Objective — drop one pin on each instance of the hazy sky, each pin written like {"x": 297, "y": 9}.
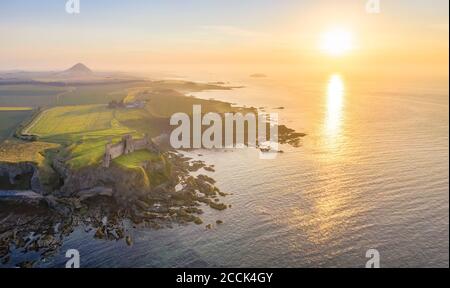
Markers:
{"x": 134, "y": 34}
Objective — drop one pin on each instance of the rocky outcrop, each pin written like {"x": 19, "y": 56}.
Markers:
{"x": 94, "y": 192}
{"x": 156, "y": 195}
{"x": 60, "y": 167}
{"x": 124, "y": 185}
{"x": 13, "y": 170}
{"x": 21, "y": 197}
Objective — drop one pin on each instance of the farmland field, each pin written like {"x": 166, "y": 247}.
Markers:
{"x": 95, "y": 94}
{"x": 9, "y": 109}
{"x": 29, "y": 95}
{"x": 17, "y": 101}
{"x": 78, "y": 117}
{"x": 83, "y": 130}
{"x": 71, "y": 119}
{"x": 10, "y": 119}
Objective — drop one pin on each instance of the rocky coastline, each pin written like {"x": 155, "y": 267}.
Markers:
{"x": 108, "y": 201}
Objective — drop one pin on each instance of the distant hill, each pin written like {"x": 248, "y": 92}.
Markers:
{"x": 78, "y": 69}
{"x": 78, "y": 73}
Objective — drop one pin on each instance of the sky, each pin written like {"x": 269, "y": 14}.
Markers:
{"x": 136, "y": 34}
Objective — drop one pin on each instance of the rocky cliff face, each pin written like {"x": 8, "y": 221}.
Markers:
{"x": 126, "y": 185}
{"x": 157, "y": 195}
{"x": 14, "y": 171}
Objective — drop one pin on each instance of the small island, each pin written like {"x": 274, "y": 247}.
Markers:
{"x": 258, "y": 75}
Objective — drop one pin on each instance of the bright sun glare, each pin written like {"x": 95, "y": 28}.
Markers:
{"x": 336, "y": 42}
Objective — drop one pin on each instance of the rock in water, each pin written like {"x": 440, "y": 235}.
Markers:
{"x": 26, "y": 197}
{"x": 129, "y": 240}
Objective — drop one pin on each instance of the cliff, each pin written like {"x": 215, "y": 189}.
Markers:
{"x": 24, "y": 176}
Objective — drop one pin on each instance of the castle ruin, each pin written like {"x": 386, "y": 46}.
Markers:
{"x": 126, "y": 146}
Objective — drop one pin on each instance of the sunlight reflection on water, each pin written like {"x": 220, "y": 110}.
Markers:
{"x": 334, "y": 108}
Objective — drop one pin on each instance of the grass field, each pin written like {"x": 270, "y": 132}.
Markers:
{"x": 17, "y": 151}
{"x": 71, "y": 120}
{"x": 14, "y": 151}
{"x": 10, "y": 120}
{"x": 82, "y": 130}
{"x": 135, "y": 160}
{"x": 3, "y": 109}
{"x": 95, "y": 94}
{"x": 134, "y": 93}
{"x": 29, "y": 95}
{"x": 78, "y": 119}
{"x": 17, "y": 101}
{"x": 165, "y": 103}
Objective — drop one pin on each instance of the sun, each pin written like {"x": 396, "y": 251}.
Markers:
{"x": 336, "y": 42}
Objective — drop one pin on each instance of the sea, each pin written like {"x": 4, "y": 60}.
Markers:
{"x": 372, "y": 173}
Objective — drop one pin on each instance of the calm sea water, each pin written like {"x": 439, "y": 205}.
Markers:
{"x": 372, "y": 173}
